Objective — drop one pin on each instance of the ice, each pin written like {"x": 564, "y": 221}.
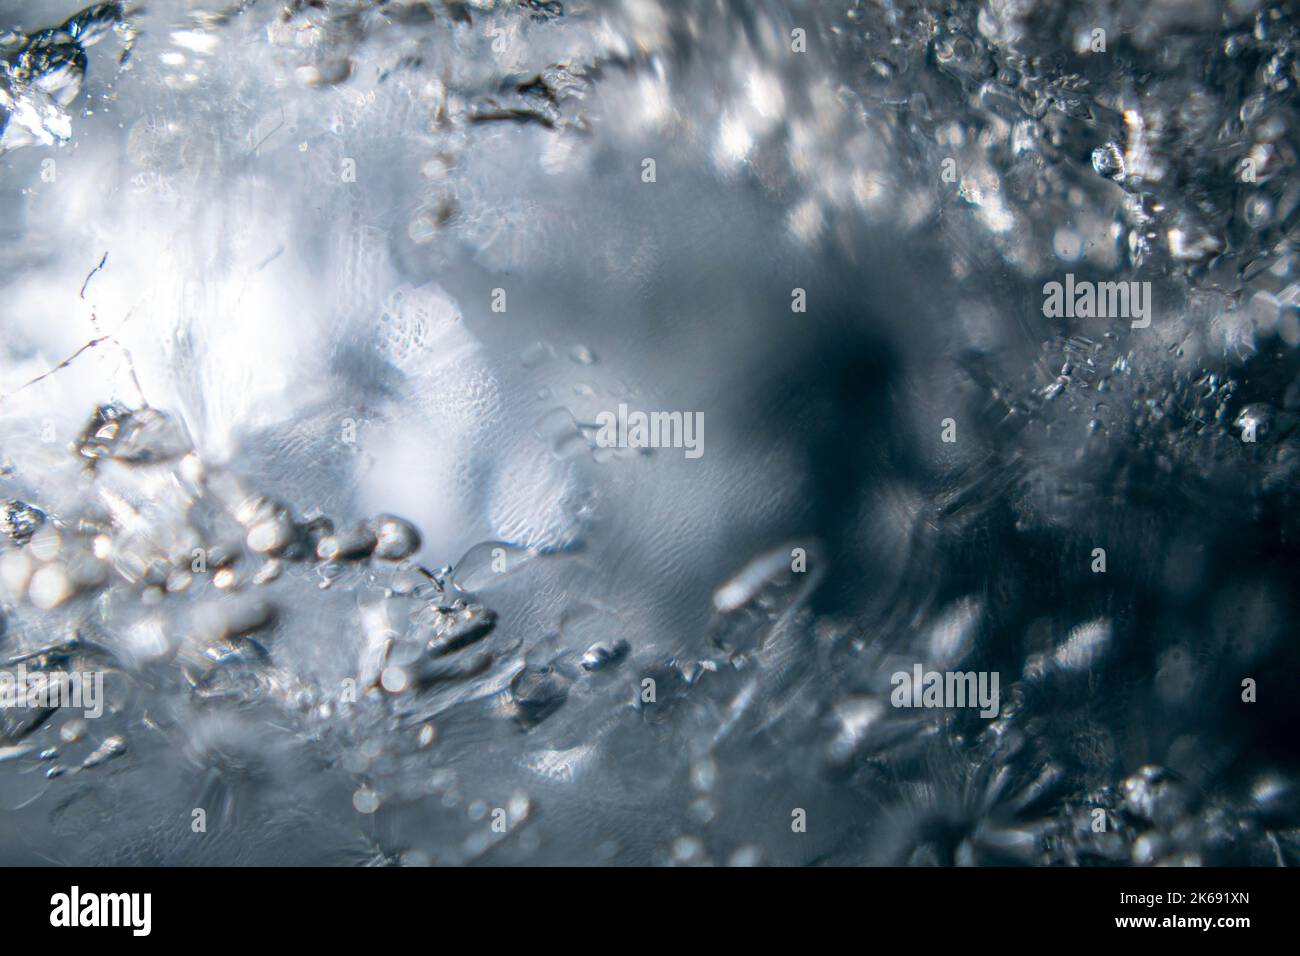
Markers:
{"x": 306, "y": 315}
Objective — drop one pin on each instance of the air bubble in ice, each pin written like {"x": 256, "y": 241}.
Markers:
{"x": 352, "y": 544}
{"x": 488, "y": 563}
{"x": 396, "y": 538}
{"x": 537, "y": 692}
{"x": 601, "y": 654}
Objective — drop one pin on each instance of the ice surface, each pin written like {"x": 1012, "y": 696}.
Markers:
{"x": 308, "y": 315}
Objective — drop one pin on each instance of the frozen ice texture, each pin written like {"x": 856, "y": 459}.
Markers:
{"x": 309, "y": 312}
